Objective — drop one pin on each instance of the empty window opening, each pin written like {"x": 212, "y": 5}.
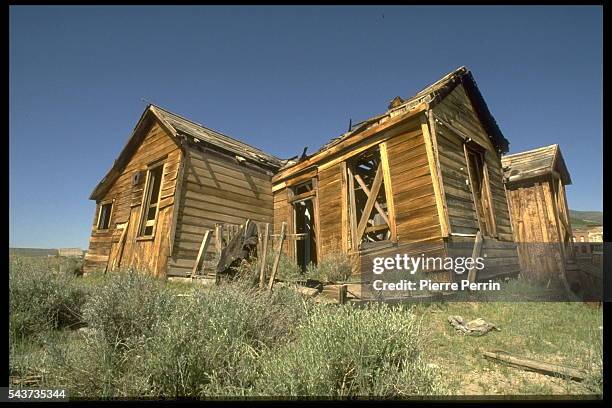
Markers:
{"x": 480, "y": 189}
{"x": 304, "y": 224}
{"x": 104, "y": 216}
{"x": 151, "y": 201}
{"x": 367, "y": 200}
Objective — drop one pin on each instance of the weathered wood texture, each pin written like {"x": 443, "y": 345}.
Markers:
{"x": 554, "y": 370}
{"x": 457, "y": 115}
{"x": 500, "y": 257}
{"x": 283, "y": 213}
{"x": 150, "y": 254}
{"x": 432, "y": 247}
{"x": 536, "y": 229}
{"x": 416, "y": 214}
{"x": 216, "y": 189}
{"x": 330, "y": 210}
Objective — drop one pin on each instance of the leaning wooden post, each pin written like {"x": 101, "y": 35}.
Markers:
{"x": 201, "y": 253}
{"x": 475, "y": 254}
{"x": 218, "y": 239}
{"x": 342, "y": 292}
{"x": 278, "y": 254}
{"x": 264, "y": 250}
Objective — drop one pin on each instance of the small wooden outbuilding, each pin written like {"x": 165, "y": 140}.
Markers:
{"x": 535, "y": 185}
{"x": 423, "y": 178}
{"x": 174, "y": 180}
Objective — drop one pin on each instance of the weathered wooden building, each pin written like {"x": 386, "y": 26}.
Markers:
{"x": 173, "y": 180}
{"x": 423, "y": 178}
{"x": 535, "y": 184}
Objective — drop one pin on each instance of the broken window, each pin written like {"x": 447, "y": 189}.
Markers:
{"x": 477, "y": 172}
{"x": 368, "y": 210}
{"x": 151, "y": 201}
{"x": 104, "y": 215}
{"x": 304, "y": 223}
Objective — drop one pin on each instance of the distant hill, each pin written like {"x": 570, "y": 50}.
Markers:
{"x": 585, "y": 219}
{"x": 32, "y": 251}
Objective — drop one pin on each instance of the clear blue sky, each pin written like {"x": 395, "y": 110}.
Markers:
{"x": 279, "y": 78}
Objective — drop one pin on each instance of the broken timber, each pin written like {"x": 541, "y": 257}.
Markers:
{"x": 278, "y": 254}
{"x": 262, "y": 272}
{"x": 201, "y": 253}
{"x": 532, "y": 365}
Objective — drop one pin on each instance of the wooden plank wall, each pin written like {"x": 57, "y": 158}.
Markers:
{"x": 330, "y": 210}
{"x": 282, "y": 213}
{"x": 149, "y": 254}
{"x": 216, "y": 189}
{"x": 416, "y": 214}
{"x": 433, "y": 247}
{"x": 456, "y": 109}
{"x": 535, "y": 229}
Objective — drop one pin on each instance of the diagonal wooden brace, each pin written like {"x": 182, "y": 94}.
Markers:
{"x": 369, "y": 206}
{"x": 366, "y": 190}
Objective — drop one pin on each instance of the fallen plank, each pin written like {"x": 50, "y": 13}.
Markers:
{"x": 538, "y": 366}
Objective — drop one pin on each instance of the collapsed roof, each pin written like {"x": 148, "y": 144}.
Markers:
{"x": 535, "y": 163}
{"x": 431, "y": 95}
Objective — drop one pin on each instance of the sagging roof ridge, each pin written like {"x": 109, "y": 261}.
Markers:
{"x": 162, "y": 114}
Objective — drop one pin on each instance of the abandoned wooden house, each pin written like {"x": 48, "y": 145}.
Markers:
{"x": 172, "y": 181}
{"x": 423, "y": 178}
{"x": 535, "y": 187}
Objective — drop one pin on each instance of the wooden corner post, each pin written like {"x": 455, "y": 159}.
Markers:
{"x": 436, "y": 174}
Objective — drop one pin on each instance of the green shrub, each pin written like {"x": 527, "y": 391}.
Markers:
{"x": 335, "y": 267}
{"x": 91, "y": 367}
{"x": 71, "y": 265}
{"x": 127, "y": 305}
{"x": 40, "y": 298}
{"x": 288, "y": 270}
{"x": 348, "y": 351}
{"x": 104, "y": 359}
{"x": 211, "y": 343}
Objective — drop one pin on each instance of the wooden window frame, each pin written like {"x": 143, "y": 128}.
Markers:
{"x": 101, "y": 205}
{"x": 146, "y": 202}
{"x": 470, "y": 146}
{"x": 353, "y": 222}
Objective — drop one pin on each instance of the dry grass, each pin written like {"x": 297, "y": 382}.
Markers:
{"x": 563, "y": 333}
{"x": 277, "y": 335}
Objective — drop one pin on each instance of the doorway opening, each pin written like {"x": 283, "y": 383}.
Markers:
{"x": 479, "y": 182}
{"x": 304, "y": 225}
